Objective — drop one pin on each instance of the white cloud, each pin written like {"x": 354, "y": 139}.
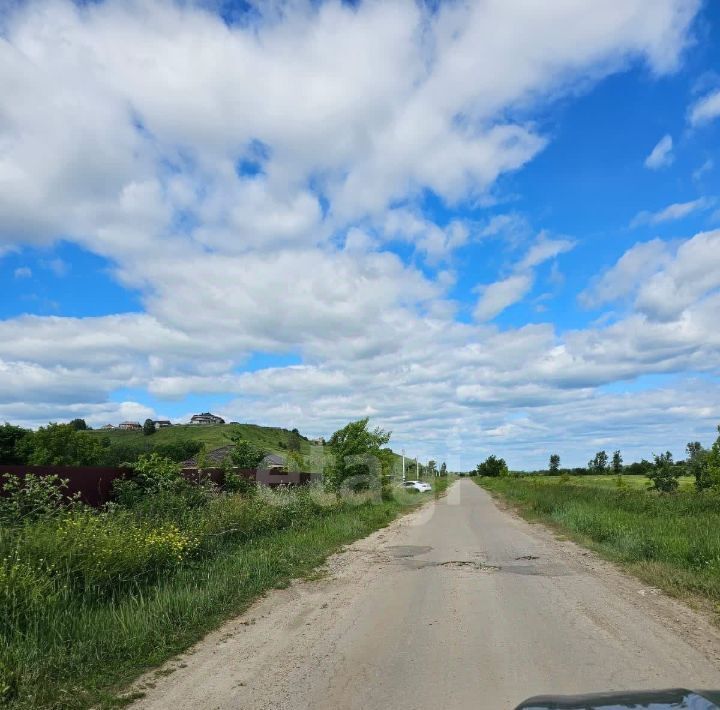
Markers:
{"x": 350, "y": 115}
{"x": 693, "y": 273}
{"x": 705, "y": 109}
{"x": 663, "y": 278}
{"x": 633, "y": 267}
{"x": 436, "y": 242}
{"x": 23, "y": 272}
{"x": 661, "y": 155}
{"x": 676, "y": 211}
{"x": 497, "y": 296}
{"x": 545, "y": 248}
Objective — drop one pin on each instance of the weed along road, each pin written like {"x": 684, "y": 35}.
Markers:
{"x": 459, "y": 605}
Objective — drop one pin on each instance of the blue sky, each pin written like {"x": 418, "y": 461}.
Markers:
{"x": 489, "y": 227}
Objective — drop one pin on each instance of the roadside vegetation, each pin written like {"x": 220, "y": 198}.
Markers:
{"x": 662, "y": 523}
{"x": 89, "y": 598}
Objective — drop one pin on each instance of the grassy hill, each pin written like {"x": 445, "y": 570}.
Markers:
{"x": 272, "y": 439}
{"x": 213, "y": 436}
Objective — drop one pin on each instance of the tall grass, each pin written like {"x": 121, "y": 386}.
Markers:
{"x": 88, "y": 599}
{"x": 671, "y": 541}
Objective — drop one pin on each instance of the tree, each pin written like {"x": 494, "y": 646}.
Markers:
{"x": 639, "y": 468}
{"x": 617, "y": 463}
{"x": 245, "y": 454}
{"x": 11, "y": 449}
{"x": 697, "y": 465}
{"x": 149, "y": 427}
{"x": 79, "y": 425}
{"x": 554, "y": 466}
{"x": 443, "y": 469}
{"x": 492, "y": 466}
{"x": 294, "y": 440}
{"x": 432, "y": 468}
{"x": 357, "y": 454}
{"x": 61, "y": 445}
{"x": 664, "y": 474}
{"x": 713, "y": 463}
{"x": 599, "y": 463}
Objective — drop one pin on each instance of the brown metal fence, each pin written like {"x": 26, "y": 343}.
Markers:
{"x": 94, "y": 483}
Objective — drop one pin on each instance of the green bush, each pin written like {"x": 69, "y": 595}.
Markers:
{"x": 664, "y": 474}
{"x": 157, "y": 481}
{"x": 32, "y": 496}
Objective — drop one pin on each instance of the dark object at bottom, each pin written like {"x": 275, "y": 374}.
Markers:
{"x": 675, "y": 698}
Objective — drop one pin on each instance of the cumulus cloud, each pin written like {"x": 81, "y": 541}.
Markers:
{"x": 663, "y": 278}
{"x": 249, "y": 192}
{"x": 661, "y": 155}
{"x": 436, "y": 242}
{"x": 634, "y": 266}
{"x": 705, "y": 109}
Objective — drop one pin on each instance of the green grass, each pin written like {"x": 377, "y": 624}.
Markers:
{"x": 687, "y": 483}
{"x": 669, "y": 541}
{"x": 213, "y": 436}
{"x": 80, "y": 652}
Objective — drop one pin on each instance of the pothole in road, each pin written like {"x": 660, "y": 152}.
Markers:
{"x": 527, "y": 557}
{"x": 549, "y": 570}
{"x": 408, "y": 550}
{"x": 449, "y": 564}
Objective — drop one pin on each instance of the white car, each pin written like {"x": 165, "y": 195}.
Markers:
{"x": 419, "y": 486}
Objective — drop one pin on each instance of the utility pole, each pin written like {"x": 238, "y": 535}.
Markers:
{"x": 417, "y": 468}
{"x": 403, "y": 455}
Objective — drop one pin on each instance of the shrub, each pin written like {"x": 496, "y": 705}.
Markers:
{"x": 31, "y": 496}
{"x": 492, "y": 466}
{"x": 237, "y": 483}
{"x": 664, "y": 475}
{"x": 154, "y": 475}
{"x": 245, "y": 454}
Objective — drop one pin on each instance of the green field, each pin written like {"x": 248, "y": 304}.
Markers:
{"x": 213, "y": 436}
{"x": 669, "y": 541}
{"x": 687, "y": 483}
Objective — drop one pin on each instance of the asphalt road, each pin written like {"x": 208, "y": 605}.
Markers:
{"x": 460, "y": 605}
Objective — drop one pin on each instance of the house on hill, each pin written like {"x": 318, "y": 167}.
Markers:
{"x": 160, "y": 423}
{"x": 130, "y": 426}
{"x": 206, "y": 418}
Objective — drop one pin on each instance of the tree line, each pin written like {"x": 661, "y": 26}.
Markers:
{"x": 70, "y": 445}
{"x": 703, "y": 464}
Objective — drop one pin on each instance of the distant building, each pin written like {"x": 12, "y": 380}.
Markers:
{"x": 130, "y": 425}
{"x": 318, "y": 442}
{"x": 206, "y": 418}
{"x": 108, "y": 426}
{"x": 160, "y": 423}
